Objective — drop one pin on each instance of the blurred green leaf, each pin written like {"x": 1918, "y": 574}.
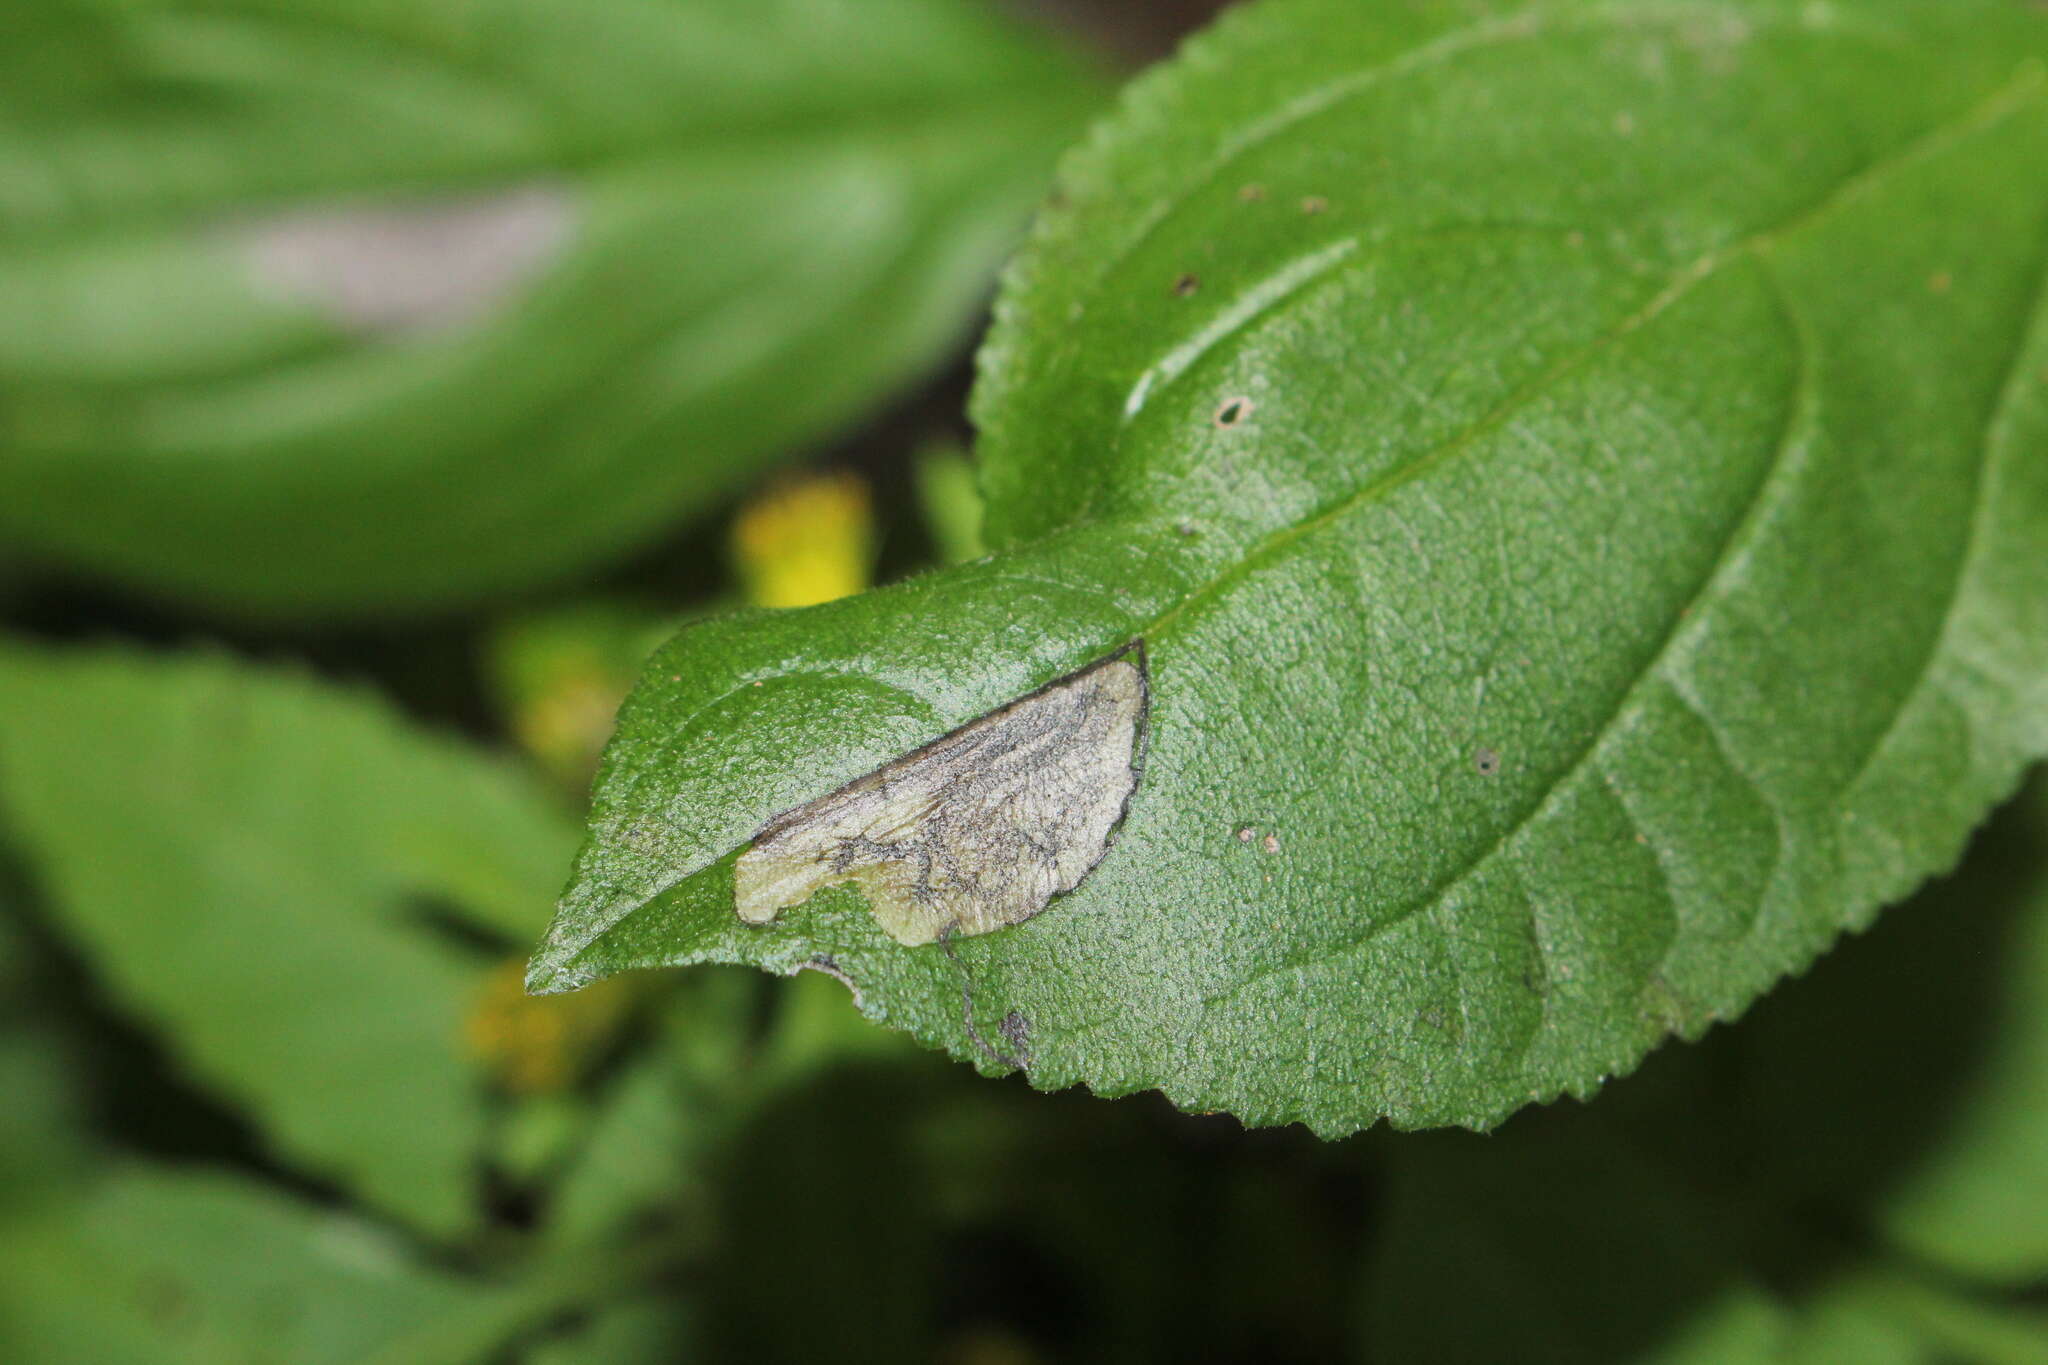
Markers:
{"x": 1978, "y": 1202}
{"x": 662, "y": 1327}
{"x": 560, "y": 674}
{"x": 1557, "y": 1241}
{"x": 1574, "y": 470}
{"x": 1560, "y": 1240}
{"x": 323, "y": 306}
{"x": 951, "y": 503}
{"x": 248, "y": 859}
{"x": 1875, "y": 1317}
{"x": 1958, "y": 1174}
{"x": 668, "y": 1117}
{"x": 44, "y": 1140}
{"x": 662, "y": 1118}
{"x": 154, "y": 1266}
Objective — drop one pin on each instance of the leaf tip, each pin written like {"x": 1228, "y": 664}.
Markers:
{"x": 550, "y": 971}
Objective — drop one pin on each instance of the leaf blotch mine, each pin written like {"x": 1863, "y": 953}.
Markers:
{"x": 977, "y": 830}
{"x": 395, "y": 269}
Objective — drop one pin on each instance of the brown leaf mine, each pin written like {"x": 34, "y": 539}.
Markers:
{"x": 977, "y": 830}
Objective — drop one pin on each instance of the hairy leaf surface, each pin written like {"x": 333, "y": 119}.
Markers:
{"x": 1579, "y": 474}
{"x": 319, "y": 305}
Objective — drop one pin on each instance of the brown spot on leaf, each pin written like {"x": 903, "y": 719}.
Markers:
{"x": 1232, "y": 411}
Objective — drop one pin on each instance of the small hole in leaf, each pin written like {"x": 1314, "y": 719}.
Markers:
{"x": 1233, "y": 411}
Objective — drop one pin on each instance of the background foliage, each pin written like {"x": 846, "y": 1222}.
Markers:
{"x": 313, "y": 618}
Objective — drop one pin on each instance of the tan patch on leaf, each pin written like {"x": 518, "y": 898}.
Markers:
{"x": 974, "y": 832}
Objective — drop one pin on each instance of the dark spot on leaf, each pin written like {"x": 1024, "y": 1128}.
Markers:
{"x": 1016, "y": 1031}
{"x": 1186, "y": 285}
{"x": 1233, "y": 411}
{"x": 1486, "y": 761}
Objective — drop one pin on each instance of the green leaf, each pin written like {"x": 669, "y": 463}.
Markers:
{"x": 558, "y": 676}
{"x": 340, "y": 307}
{"x": 153, "y": 1266}
{"x": 1584, "y": 1246}
{"x": 1575, "y": 472}
{"x": 662, "y": 1117}
{"x": 248, "y": 860}
{"x": 661, "y": 1327}
{"x": 1959, "y": 1177}
{"x": 1579, "y": 1246}
{"x": 951, "y": 503}
{"x": 1979, "y": 1201}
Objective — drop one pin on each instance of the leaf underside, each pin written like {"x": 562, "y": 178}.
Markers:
{"x": 1579, "y": 474}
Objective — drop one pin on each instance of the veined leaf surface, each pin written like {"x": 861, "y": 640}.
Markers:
{"x": 1579, "y": 474}
{"x": 325, "y": 306}
{"x": 255, "y": 863}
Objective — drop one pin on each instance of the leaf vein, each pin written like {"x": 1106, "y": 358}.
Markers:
{"x": 1938, "y": 648}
